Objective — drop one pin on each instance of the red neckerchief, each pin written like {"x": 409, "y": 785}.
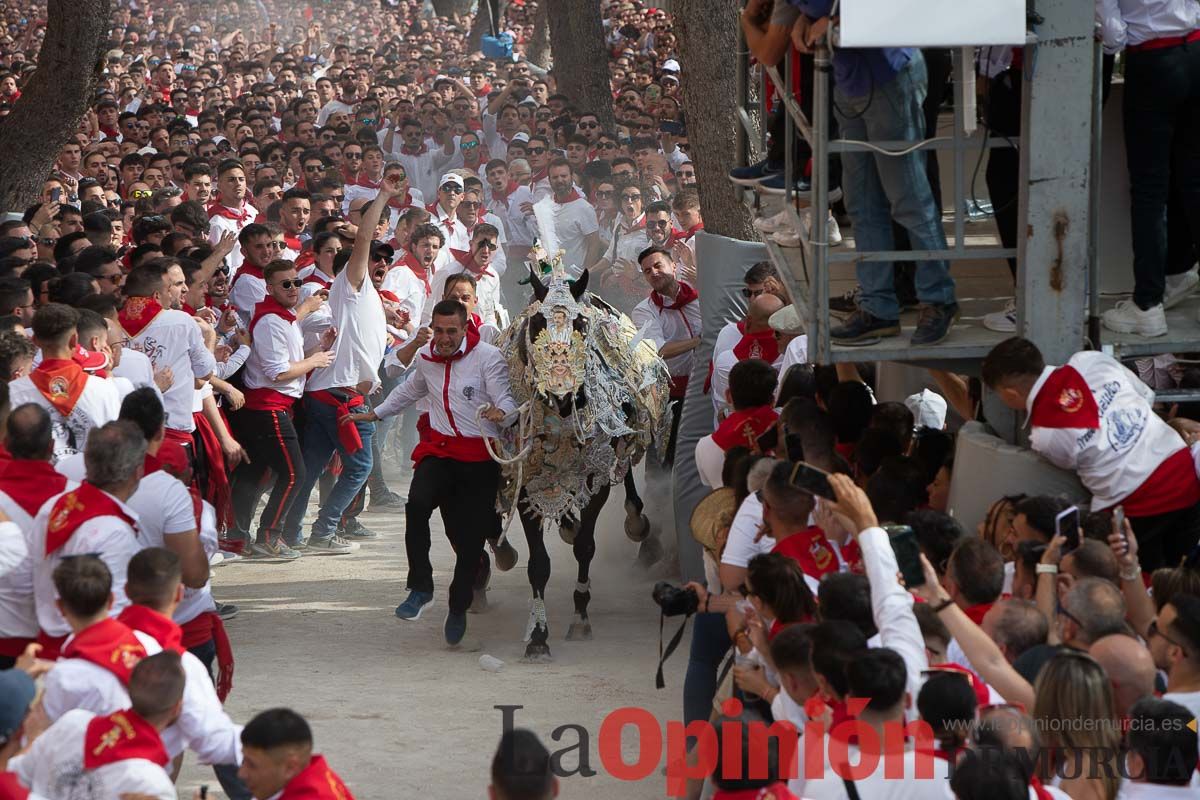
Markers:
{"x": 306, "y": 259}
{"x": 247, "y": 268}
{"x": 11, "y": 788}
{"x": 241, "y": 215}
{"x": 639, "y": 225}
{"x": 349, "y": 178}
{"x": 434, "y": 209}
{"x": 400, "y": 205}
{"x": 137, "y": 313}
{"x": 467, "y": 259}
{"x": 811, "y": 550}
{"x": 983, "y": 697}
{"x": 484, "y": 92}
{"x": 31, "y": 483}
{"x": 1065, "y": 401}
{"x": 76, "y": 507}
{"x": 686, "y": 295}
{"x": 110, "y": 133}
{"x": 571, "y": 198}
{"x": 388, "y": 295}
{"x": 683, "y": 236}
{"x": 1039, "y": 790}
{"x": 756, "y": 345}
{"x": 316, "y": 782}
{"x": 319, "y": 277}
{"x": 975, "y": 613}
{"x": 508, "y": 190}
{"x": 5, "y": 458}
{"x": 420, "y": 151}
{"x": 157, "y": 626}
{"x": 540, "y": 175}
{"x": 367, "y": 183}
{"x": 268, "y": 307}
{"x": 418, "y": 269}
{"x": 293, "y": 242}
{"x": 108, "y": 644}
{"x": 189, "y": 310}
{"x": 744, "y": 427}
{"x": 475, "y": 323}
{"x": 472, "y": 340}
{"x": 776, "y": 791}
{"x": 61, "y": 381}
{"x": 122, "y": 736}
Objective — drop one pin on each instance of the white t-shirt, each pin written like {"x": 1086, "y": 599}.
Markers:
{"x": 172, "y": 339}
{"x": 741, "y": 545}
{"x": 361, "y": 339}
{"x": 53, "y": 767}
{"x": 198, "y": 601}
{"x": 99, "y": 403}
{"x": 136, "y": 368}
{"x": 573, "y": 223}
{"x": 874, "y": 784}
{"x": 245, "y": 293}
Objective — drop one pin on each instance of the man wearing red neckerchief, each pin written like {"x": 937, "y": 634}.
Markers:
{"x": 232, "y": 211}
{"x": 1093, "y": 416}
{"x": 752, "y": 394}
{"x": 444, "y": 211}
{"x": 248, "y": 287}
{"x": 506, "y": 197}
{"x": 76, "y": 401}
{"x": 750, "y": 337}
{"x": 116, "y": 753}
{"x": 478, "y": 262}
{"x": 25, "y": 485}
{"x": 412, "y": 278}
{"x": 293, "y": 218}
{"x": 278, "y": 762}
{"x": 670, "y": 318}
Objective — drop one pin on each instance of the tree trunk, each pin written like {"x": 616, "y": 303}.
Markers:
{"x": 448, "y": 8}
{"x": 707, "y": 31}
{"x": 538, "y": 49}
{"x": 53, "y": 100}
{"x": 580, "y": 57}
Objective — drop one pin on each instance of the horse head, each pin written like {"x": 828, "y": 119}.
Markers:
{"x": 554, "y": 342}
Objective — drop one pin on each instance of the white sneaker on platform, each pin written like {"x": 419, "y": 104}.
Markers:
{"x": 1180, "y": 287}
{"x": 772, "y": 223}
{"x": 786, "y": 238}
{"x": 1126, "y": 317}
{"x": 1002, "y": 321}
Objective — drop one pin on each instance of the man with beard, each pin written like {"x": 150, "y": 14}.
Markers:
{"x": 574, "y": 219}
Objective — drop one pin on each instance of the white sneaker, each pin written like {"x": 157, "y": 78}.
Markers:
{"x": 833, "y": 233}
{"x": 1126, "y": 317}
{"x": 772, "y": 223}
{"x": 787, "y": 238}
{"x": 1179, "y": 287}
{"x": 1002, "y": 321}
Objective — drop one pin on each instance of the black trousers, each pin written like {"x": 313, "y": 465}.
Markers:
{"x": 466, "y": 494}
{"x": 1162, "y": 149}
{"x": 1165, "y": 539}
{"x": 271, "y": 443}
{"x": 1004, "y": 163}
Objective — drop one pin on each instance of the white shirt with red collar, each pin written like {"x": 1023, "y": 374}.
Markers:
{"x": 172, "y": 339}
{"x": 293, "y": 246}
{"x": 223, "y": 219}
{"x": 1094, "y": 417}
{"x": 276, "y": 343}
{"x": 490, "y": 306}
{"x": 413, "y": 285}
{"x": 76, "y": 402}
{"x": 54, "y": 766}
{"x": 628, "y": 239}
{"x": 539, "y": 184}
{"x": 662, "y": 320}
{"x": 456, "y": 388}
{"x": 79, "y": 683}
{"x": 361, "y": 339}
{"x": 247, "y": 290}
{"x": 507, "y": 208}
{"x": 113, "y": 537}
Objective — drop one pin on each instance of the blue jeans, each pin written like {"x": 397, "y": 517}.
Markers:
{"x": 319, "y": 443}
{"x": 710, "y": 643}
{"x": 879, "y": 189}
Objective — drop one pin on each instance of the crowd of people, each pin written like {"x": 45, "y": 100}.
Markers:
{"x": 279, "y": 251}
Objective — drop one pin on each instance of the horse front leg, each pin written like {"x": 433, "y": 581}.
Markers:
{"x": 637, "y": 525}
{"x": 585, "y": 550}
{"x": 537, "y": 631}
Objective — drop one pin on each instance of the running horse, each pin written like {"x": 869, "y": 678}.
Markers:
{"x": 594, "y": 399}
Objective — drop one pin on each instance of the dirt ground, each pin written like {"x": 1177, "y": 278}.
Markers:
{"x": 400, "y": 715}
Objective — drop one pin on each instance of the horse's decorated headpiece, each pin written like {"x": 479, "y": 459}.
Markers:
{"x": 556, "y": 346}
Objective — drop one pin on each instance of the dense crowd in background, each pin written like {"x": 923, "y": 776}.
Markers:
{"x": 281, "y": 236}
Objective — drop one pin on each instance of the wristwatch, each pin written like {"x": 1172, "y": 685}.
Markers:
{"x": 1046, "y": 569}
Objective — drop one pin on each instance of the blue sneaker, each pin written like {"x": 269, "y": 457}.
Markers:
{"x": 455, "y": 628}
{"x": 751, "y": 175}
{"x": 412, "y": 608}
{"x": 774, "y": 184}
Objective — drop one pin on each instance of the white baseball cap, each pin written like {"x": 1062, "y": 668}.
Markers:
{"x": 451, "y": 177}
{"x": 670, "y": 65}
{"x": 928, "y": 409}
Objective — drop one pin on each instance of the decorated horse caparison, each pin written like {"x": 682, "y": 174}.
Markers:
{"x": 594, "y": 400}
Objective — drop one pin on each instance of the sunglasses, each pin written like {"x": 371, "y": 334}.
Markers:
{"x": 588, "y": 125}
{"x": 489, "y": 244}
{"x": 451, "y": 188}
{"x": 750, "y": 294}
{"x": 312, "y": 168}
{"x": 140, "y": 194}
{"x": 469, "y": 145}
{"x": 116, "y": 279}
{"x": 631, "y": 198}
{"x": 658, "y": 223}
{"x": 294, "y": 283}
{"x": 277, "y": 245}
{"x": 603, "y": 195}
{"x": 535, "y": 151}
{"x": 351, "y": 156}
{"x": 48, "y": 241}
{"x": 607, "y": 146}
{"x": 470, "y": 204}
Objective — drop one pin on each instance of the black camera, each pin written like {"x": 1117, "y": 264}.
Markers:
{"x": 674, "y": 600}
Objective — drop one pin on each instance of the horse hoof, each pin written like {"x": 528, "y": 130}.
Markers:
{"x": 506, "y": 556}
{"x": 633, "y": 509}
{"x": 568, "y": 530}
{"x": 637, "y": 527}
{"x": 650, "y": 553}
{"x": 579, "y": 631}
{"x": 480, "y": 603}
{"x": 537, "y": 654}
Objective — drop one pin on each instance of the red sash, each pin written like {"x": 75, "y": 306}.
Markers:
{"x": 122, "y": 736}
{"x": 11, "y": 788}
{"x": 162, "y": 628}
{"x": 77, "y": 507}
{"x": 1173, "y": 485}
{"x": 744, "y": 427}
{"x": 348, "y": 433}
{"x": 316, "y": 782}
{"x": 137, "y": 313}
{"x": 108, "y": 644}
{"x": 209, "y": 627}
{"x": 31, "y": 483}
{"x": 61, "y": 381}
{"x": 1065, "y": 401}
{"x": 5, "y": 458}
{"x": 756, "y": 345}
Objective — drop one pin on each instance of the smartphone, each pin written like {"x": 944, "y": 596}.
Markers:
{"x": 795, "y": 447}
{"x": 55, "y": 194}
{"x": 908, "y": 554}
{"x": 673, "y": 128}
{"x": 1119, "y": 519}
{"x": 1066, "y": 524}
{"x": 812, "y": 480}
